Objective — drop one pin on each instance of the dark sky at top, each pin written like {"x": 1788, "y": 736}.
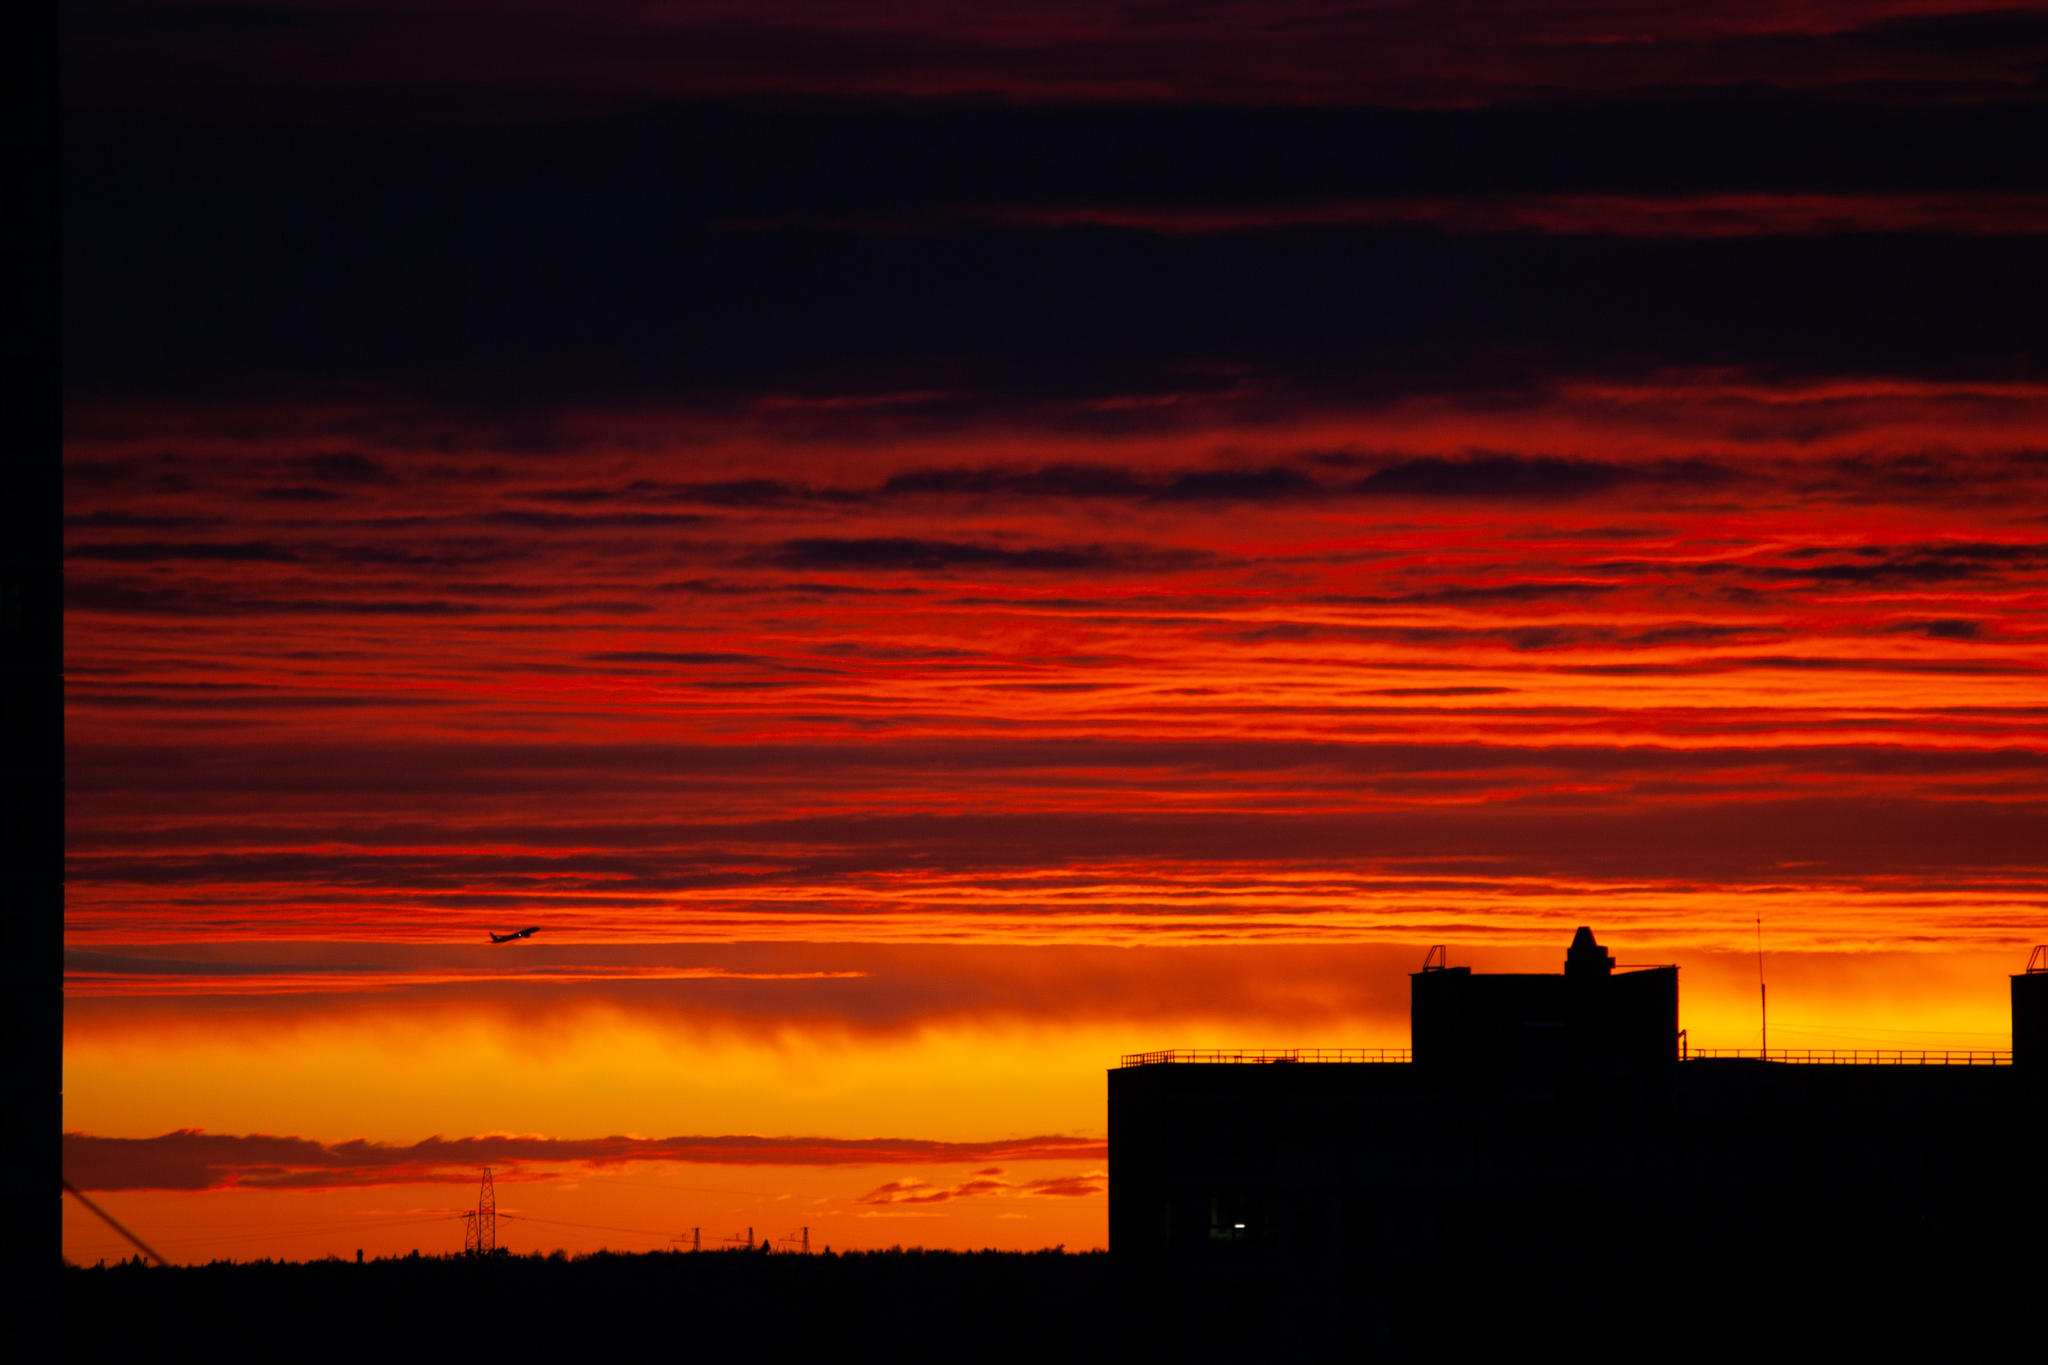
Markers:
{"x": 619, "y": 203}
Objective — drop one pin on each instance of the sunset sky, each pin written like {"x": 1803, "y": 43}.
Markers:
{"x": 928, "y": 546}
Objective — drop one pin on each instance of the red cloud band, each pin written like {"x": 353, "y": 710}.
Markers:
{"x": 191, "y": 1159}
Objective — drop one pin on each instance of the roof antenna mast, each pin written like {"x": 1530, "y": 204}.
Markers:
{"x": 1763, "y": 998}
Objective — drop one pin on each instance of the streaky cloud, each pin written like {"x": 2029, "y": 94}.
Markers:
{"x": 195, "y": 1160}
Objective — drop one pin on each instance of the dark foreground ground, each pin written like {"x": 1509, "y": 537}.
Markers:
{"x": 1817, "y": 1296}
{"x": 734, "y": 1305}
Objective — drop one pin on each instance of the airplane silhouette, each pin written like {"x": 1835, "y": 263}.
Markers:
{"x": 516, "y": 933}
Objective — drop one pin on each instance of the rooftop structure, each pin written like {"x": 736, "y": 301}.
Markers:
{"x": 1546, "y": 1129}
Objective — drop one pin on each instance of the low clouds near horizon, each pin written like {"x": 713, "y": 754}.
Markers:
{"x": 195, "y": 1160}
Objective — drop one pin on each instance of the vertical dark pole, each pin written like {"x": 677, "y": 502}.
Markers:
{"x": 31, "y": 693}
{"x": 1763, "y": 999}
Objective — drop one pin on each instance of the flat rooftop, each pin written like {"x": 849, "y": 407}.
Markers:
{"x": 1404, "y": 1056}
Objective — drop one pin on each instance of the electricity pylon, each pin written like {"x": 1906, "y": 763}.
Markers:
{"x": 486, "y": 1217}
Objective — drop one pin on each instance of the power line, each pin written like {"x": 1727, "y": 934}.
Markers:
{"x": 108, "y": 1219}
{"x": 594, "y": 1227}
{"x": 303, "y": 1230}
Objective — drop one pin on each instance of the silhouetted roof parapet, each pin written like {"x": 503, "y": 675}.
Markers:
{"x": 1256, "y": 1056}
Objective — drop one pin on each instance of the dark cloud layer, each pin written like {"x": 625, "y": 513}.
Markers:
{"x": 437, "y": 770}
{"x": 1628, "y": 836}
{"x": 1726, "y": 815}
{"x": 1495, "y": 476}
{"x": 452, "y": 60}
{"x": 718, "y": 251}
{"x": 194, "y": 1160}
{"x": 898, "y": 553}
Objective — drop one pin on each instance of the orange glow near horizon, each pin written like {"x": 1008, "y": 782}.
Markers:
{"x": 631, "y": 1209}
{"x": 950, "y": 1045}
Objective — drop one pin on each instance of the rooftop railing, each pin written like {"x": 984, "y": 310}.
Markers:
{"x": 1800, "y": 1056}
{"x": 1267, "y": 1055}
{"x": 1857, "y": 1057}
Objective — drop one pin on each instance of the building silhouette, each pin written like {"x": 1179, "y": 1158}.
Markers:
{"x": 1552, "y": 1157}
